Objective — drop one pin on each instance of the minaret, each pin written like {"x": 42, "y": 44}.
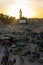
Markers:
{"x": 20, "y": 13}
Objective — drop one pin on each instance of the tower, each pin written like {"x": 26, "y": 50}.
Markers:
{"x": 20, "y": 13}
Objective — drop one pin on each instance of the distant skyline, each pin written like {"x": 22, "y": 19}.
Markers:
{"x": 30, "y": 8}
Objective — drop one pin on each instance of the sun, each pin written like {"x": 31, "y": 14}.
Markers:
{"x": 14, "y": 11}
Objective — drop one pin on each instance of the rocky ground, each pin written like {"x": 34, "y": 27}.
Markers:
{"x": 19, "y": 62}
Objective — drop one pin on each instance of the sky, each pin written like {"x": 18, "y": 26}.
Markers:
{"x": 30, "y": 8}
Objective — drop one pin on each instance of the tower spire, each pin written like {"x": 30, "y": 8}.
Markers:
{"x": 20, "y": 13}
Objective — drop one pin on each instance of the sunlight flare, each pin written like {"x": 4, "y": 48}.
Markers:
{"x": 14, "y": 11}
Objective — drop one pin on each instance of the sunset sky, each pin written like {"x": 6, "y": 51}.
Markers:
{"x": 30, "y": 8}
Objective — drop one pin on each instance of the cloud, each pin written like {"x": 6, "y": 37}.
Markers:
{"x": 6, "y": 3}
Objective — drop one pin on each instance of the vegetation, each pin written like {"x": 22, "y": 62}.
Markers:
{"x": 6, "y": 19}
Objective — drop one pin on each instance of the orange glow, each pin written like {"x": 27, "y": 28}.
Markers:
{"x": 30, "y": 8}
